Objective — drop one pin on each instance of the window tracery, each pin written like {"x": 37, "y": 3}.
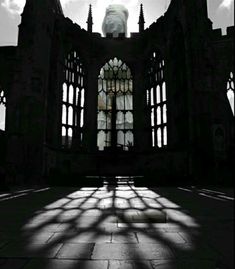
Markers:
{"x": 230, "y": 92}
{"x": 2, "y": 110}
{"x": 73, "y": 99}
{"x": 157, "y": 100}
{"x": 115, "y": 106}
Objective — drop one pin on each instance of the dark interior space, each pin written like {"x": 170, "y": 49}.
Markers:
{"x": 117, "y": 151}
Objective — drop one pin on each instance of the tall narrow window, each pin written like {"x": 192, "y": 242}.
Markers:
{"x": 115, "y": 106}
{"x": 73, "y": 99}
{"x": 230, "y": 92}
{"x": 157, "y": 100}
{"x": 2, "y": 110}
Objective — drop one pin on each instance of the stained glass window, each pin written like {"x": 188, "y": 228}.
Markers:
{"x": 73, "y": 99}
{"x": 115, "y": 106}
{"x": 157, "y": 100}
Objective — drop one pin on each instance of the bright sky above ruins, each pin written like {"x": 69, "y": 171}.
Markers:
{"x": 220, "y": 12}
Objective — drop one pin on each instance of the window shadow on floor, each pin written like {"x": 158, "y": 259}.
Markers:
{"x": 147, "y": 228}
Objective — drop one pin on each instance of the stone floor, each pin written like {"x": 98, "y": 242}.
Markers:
{"x": 121, "y": 227}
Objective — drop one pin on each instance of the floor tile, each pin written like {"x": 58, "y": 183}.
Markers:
{"x": 123, "y": 227}
{"x": 160, "y": 237}
{"x": 18, "y": 250}
{"x": 131, "y": 252}
{"x": 124, "y": 238}
{"x": 80, "y": 237}
{"x": 184, "y": 264}
{"x": 76, "y": 251}
{"x": 129, "y": 265}
{"x": 66, "y": 264}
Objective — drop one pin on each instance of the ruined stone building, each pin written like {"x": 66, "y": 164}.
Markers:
{"x": 158, "y": 104}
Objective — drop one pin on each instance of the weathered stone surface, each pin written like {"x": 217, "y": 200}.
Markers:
{"x": 131, "y": 252}
{"x": 76, "y": 251}
{"x": 184, "y": 264}
{"x": 54, "y": 242}
{"x": 160, "y": 237}
{"x": 21, "y": 250}
{"x": 81, "y": 237}
{"x": 130, "y": 265}
{"x": 65, "y": 264}
{"x": 128, "y": 237}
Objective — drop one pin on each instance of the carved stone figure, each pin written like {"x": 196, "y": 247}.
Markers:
{"x": 115, "y": 20}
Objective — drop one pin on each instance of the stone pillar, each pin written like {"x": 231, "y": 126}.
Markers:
{"x": 141, "y": 131}
{"x": 90, "y": 123}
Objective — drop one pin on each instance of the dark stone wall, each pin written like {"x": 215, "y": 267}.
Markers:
{"x": 7, "y": 65}
{"x": 197, "y": 59}
{"x": 2, "y": 161}
{"x": 2, "y": 148}
{"x": 26, "y": 103}
{"x": 7, "y": 69}
{"x": 222, "y": 60}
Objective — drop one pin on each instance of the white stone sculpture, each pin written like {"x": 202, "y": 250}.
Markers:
{"x": 115, "y": 20}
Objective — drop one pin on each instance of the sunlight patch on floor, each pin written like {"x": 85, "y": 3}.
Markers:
{"x": 92, "y": 213}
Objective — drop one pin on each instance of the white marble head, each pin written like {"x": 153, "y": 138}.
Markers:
{"x": 115, "y": 20}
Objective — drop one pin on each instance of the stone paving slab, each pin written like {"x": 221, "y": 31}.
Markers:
{"x": 65, "y": 264}
{"x": 128, "y": 237}
{"x": 184, "y": 264}
{"x": 43, "y": 227}
{"x": 92, "y": 212}
{"x": 76, "y": 251}
{"x": 37, "y": 237}
{"x": 20, "y": 250}
{"x": 66, "y": 227}
{"x": 130, "y": 265}
{"x": 160, "y": 237}
{"x": 131, "y": 252}
{"x": 190, "y": 237}
{"x": 80, "y": 237}
{"x": 149, "y": 225}
{"x": 123, "y": 227}
{"x": 98, "y": 226}
{"x": 146, "y": 216}
{"x": 195, "y": 252}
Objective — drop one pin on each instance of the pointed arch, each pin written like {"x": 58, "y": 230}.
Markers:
{"x": 230, "y": 92}
{"x": 115, "y": 106}
{"x": 2, "y": 110}
{"x": 157, "y": 100}
{"x": 73, "y": 99}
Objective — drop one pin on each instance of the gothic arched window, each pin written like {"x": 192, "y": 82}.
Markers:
{"x": 230, "y": 92}
{"x": 157, "y": 100}
{"x": 73, "y": 101}
{"x": 115, "y": 106}
{"x": 2, "y": 110}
